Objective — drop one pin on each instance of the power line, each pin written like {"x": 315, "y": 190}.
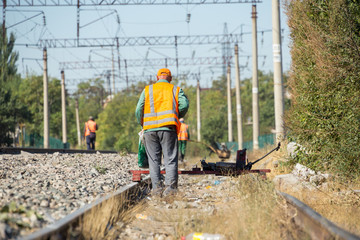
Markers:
{"x": 136, "y": 41}
{"x": 148, "y": 62}
{"x": 38, "y": 3}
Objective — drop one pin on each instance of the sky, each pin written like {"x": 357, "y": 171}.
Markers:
{"x": 31, "y": 24}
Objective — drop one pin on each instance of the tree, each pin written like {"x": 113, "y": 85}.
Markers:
{"x": 325, "y": 113}
{"x": 118, "y": 128}
{"x": 92, "y": 97}
{"x": 10, "y": 109}
{"x": 30, "y": 93}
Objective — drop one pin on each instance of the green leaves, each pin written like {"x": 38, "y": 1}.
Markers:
{"x": 325, "y": 114}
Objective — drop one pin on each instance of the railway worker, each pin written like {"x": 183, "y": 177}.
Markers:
{"x": 90, "y": 135}
{"x": 183, "y": 137}
{"x": 158, "y": 111}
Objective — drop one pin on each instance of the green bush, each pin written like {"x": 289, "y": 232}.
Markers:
{"x": 325, "y": 112}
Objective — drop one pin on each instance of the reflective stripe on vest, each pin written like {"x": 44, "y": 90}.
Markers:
{"x": 183, "y": 134}
{"x": 161, "y": 106}
{"x": 90, "y": 126}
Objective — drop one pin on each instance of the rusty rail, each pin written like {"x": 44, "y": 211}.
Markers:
{"x": 313, "y": 223}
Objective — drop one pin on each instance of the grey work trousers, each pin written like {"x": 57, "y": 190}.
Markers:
{"x": 166, "y": 143}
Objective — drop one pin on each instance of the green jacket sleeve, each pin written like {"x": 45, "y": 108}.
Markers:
{"x": 139, "y": 112}
{"x": 183, "y": 104}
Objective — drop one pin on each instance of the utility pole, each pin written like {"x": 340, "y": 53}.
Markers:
{"x": 126, "y": 76}
{"x": 230, "y": 135}
{"x": 78, "y": 21}
{"x": 278, "y": 78}
{"x": 46, "y": 102}
{"x": 118, "y": 58}
{"x": 198, "y": 110}
{"x": 77, "y": 122}
{"x": 238, "y": 100}
{"x": 108, "y": 82}
{"x": 63, "y": 109}
{"x": 4, "y": 20}
{"x": 177, "y": 57}
{"x": 226, "y": 55}
{"x": 255, "y": 84}
{"x": 113, "y": 70}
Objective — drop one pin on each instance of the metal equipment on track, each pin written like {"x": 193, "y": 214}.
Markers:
{"x": 242, "y": 166}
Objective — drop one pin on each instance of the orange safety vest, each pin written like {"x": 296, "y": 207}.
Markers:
{"x": 183, "y": 134}
{"x": 161, "y": 106}
{"x": 90, "y": 126}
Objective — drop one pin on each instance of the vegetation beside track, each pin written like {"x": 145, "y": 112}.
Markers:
{"x": 324, "y": 116}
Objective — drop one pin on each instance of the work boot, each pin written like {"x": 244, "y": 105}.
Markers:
{"x": 156, "y": 193}
{"x": 169, "y": 192}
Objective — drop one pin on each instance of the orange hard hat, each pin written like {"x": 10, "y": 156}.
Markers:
{"x": 164, "y": 71}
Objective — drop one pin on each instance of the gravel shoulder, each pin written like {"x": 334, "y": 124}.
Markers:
{"x": 38, "y": 189}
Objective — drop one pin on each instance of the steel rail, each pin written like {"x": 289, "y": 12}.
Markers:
{"x": 132, "y": 192}
{"x": 18, "y": 150}
{"x": 317, "y": 226}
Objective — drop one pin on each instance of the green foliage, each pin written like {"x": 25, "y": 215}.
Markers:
{"x": 11, "y": 110}
{"x": 118, "y": 128}
{"x": 30, "y": 93}
{"x": 325, "y": 112}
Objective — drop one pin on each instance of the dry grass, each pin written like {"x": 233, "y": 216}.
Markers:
{"x": 100, "y": 221}
{"x": 252, "y": 210}
{"x": 337, "y": 202}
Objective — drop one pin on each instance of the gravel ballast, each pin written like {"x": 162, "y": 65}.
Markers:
{"x": 38, "y": 189}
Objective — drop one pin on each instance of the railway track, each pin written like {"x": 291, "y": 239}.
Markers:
{"x": 202, "y": 195}
{"x": 307, "y": 220}
{"x": 106, "y": 210}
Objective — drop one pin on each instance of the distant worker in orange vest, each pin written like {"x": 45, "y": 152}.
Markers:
{"x": 183, "y": 137}
{"x": 90, "y": 135}
{"x": 158, "y": 111}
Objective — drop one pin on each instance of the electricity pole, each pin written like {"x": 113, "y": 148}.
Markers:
{"x": 238, "y": 100}
{"x": 198, "y": 110}
{"x": 278, "y": 79}
{"x": 255, "y": 84}
{"x": 230, "y": 136}
{"x": 46, "y": 102}
{"x": 77, "y": 122}
{"x": 113, "y": 70}
{"x": 63, "y": 109}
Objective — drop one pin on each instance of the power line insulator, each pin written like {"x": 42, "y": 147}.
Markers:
{"x": 188, "y": 16}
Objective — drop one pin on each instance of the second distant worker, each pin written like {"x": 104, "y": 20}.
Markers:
{"x": 90, "y": 135}
{"x": 183, "y": 137}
